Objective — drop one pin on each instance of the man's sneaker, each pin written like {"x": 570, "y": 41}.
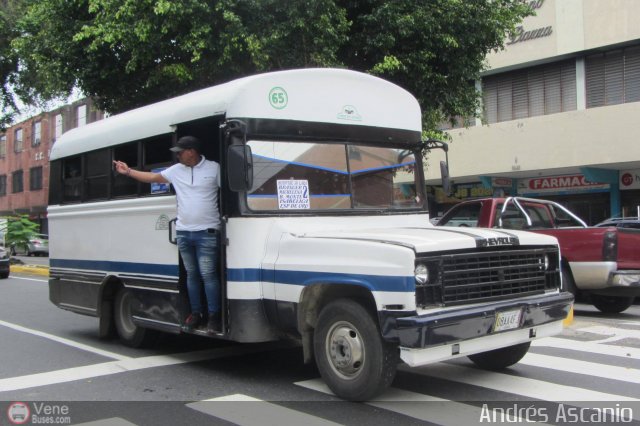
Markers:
{"x": 193, "y": 320}
{"x": 214, "y": 325}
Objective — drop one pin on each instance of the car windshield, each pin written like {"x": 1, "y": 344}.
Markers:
{"x": 332, "y": 176}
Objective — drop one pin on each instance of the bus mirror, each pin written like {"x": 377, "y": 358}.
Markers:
{"x": 446, "y": 182}
{"x": 240, "y": 168}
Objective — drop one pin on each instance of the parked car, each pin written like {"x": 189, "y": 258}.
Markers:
{"x": 601, "y": 262}
{"x": 4, "y": 263}
{"x": 38, "y": 245}
{"x": 621, "y": 222}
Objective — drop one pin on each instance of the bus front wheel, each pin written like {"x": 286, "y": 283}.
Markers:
{"x": 353, "y": 359}
{"x": 129, "y": 333}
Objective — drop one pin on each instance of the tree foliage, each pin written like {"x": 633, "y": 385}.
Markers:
{"x": 8, "y": 60}
{"x": 127, "y": 53}
{"x": 17, "y": 230}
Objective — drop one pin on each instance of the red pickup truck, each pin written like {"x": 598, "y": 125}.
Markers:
{"x": 603, "y": 262}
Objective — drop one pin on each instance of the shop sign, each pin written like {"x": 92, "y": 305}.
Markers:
{"x": 465, "y": 191}
{"x": 630, "y": 179}
{"x": 551, "y": 184}
{"x": 501, "y": 182}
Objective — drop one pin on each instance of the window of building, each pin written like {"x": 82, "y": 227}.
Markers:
{"x": 37, "y": 133}
{"x": 16, "y": 181}
{"x": 3, "y": 146}
{"x": 81, "y": 115}
{"x": 17, "y": 141}
{"x": 35, "y": 178}
{"x": 542, "y": 90}
{"x": 613, "y": 77}
{"x": 3, "y": 185}
{"x": 59, "y": 126}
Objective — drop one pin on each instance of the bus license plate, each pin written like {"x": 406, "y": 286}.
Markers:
{"x": 507, "y": 320}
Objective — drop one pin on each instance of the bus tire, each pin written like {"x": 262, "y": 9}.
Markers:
{"x": 502, "y": 358}
{"x": 611, "y": 304}
{"x": 353, "y": 359}
{"x": 129, "y": 333}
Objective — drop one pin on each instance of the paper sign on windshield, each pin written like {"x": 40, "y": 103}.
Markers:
{"x": 293, "y": 194}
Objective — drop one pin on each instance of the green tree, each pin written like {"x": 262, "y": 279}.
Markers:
{"x": 17, "y": 230}
{"x": 127, "y": 53}
{"x": 9, "y": 11}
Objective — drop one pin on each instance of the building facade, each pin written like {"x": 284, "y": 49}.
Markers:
{"x": 561, "y": 113}
{"x": 24, "y": 158}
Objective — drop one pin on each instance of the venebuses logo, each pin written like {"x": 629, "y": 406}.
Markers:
{"x": 18, "y": 413}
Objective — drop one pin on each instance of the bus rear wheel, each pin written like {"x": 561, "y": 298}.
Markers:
{"x": 353, "y": 359}
{"x": 611, "y": 304}
{"x": 129, "y": 333}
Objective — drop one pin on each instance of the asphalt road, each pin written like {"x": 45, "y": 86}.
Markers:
{"x": 53, "y": 360}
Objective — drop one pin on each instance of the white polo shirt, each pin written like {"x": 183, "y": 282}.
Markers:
{"x": 197, "y": 194}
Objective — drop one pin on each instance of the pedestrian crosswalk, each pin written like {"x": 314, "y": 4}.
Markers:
{"x": 599, "y": 354}
{"x": 591, "y": 367}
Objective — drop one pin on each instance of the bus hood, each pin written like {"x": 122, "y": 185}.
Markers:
{"x": 431, "y": 239}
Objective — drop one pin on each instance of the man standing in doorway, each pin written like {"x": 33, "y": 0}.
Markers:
{"x": 196, "y": 181}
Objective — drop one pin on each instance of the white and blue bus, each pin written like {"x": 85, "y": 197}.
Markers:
{"x": 325, "y": 232}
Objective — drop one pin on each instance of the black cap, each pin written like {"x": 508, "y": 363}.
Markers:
{"x": 187, "y": 142}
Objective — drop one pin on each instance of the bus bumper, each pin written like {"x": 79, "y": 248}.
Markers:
{"x": 439, "y": 336}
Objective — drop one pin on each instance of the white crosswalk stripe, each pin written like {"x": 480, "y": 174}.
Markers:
{"x": 114, "y": 421}
{"x": 245, "y": 410}
{"x": 523, "y": 386}
{"x": 623, "y": 374}
{"x": 589, "y": 347}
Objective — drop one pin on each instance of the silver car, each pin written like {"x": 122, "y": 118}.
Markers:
{"x": 38, "y": 245}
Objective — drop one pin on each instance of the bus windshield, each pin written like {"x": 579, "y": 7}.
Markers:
{"x": 328, "y": 176}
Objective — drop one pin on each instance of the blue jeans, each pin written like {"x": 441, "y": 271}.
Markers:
{"x": 199, "y": 251}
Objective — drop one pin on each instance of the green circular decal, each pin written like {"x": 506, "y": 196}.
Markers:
{"x": 278, "y": 98}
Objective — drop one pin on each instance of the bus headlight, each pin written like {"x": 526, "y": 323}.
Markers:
{"x": 422, "y": 274}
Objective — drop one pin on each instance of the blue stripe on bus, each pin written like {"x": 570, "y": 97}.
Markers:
{"x": 304, "y": 278}
{"x": 301, "y": 278}
{"x": 116, "y": 267}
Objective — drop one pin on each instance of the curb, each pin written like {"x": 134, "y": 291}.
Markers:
{"x": 31, "y": 269}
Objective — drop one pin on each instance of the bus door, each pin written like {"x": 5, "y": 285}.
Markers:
{"x": 209, "y": 132}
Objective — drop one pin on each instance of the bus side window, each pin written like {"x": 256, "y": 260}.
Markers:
{"x": 123, "y": 186}
{"x": 72, "y": 180}
{"x": 98, "y": 169}
{"x": 55, "y": 181}
{"x": 156, "y": 155}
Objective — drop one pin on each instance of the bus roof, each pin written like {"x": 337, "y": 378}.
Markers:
{"x": 312, "y": 95}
